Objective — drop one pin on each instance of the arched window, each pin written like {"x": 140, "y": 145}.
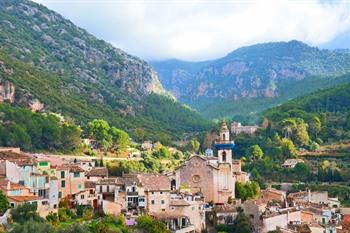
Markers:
{"x": 224, "y": 156}
{"x": 224, "y": 137}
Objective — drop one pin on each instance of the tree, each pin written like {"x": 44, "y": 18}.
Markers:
{"x": 71, "y": 135}
{"x": 31, "y": 226}
{"x": 139, "y": 134}
{"x": 289, "y": 126}
{"x": 120, "y": 138}
{"x": 53, "y": 219}
{"x": 315, "y": 126}
{"x": 193, "y": 145}
{"x": 24, "y": 212}
{"x": 150, "y": 225}
{"x": 302, "y": 136}
{"x": 288, "y": 148}
{"x": 256, "y": 152}
{"x": 302, "y": 171}
{"x": 4, "y": 203}
{"x": 99, "y": 130}
{"x": 242, "y": 224}
{"x": 73, "y": 228}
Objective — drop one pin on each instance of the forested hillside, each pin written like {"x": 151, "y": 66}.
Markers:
{"x": 48, "y": 63}
{"x": 327, "y": 113}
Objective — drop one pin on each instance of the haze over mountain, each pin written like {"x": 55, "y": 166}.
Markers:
{"x": 253, "y": 78}
{"x": 47, "y": 61}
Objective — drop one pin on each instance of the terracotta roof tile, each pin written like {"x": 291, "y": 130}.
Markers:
{"x": 24, "y": 198}
{"x": 154, "y": 182}
{"x": 98, "y": 172}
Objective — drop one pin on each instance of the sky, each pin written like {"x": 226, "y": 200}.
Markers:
{"x": 204, "y": 29}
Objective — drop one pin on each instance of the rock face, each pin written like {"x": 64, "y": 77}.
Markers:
{"x": 47, "y": 40}
{"x": 260, "y": 71}
{"x": 7, "y": 92}
{"x": 60, "y": 67}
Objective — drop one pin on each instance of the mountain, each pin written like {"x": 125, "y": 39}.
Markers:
{"x": 47, "y": 63}
{"x": 252, "y": 78}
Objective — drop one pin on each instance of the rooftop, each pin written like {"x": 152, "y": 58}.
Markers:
{"x": 21, "y": 159}
{"x": 154, "y": 182}
{"x": 24, "y": 198}
{"x": 98, "y": 172}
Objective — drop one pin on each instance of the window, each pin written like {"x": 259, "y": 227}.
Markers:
{"x": 43, "y": 164}
{"x": 62, "y": 174}
{"x": 161, "y": 192}
{"x": 59, "y": 194}
{"x": 152, "y": 202}
{"x": 107, "y": 188}
{"x": 76, "y": 174}
{"x": 100, "y": 188}
{"x": 162, "y": 202}
{"x": 63, "y": 183}
{"x": 224, "y": 156}
{"x": 133, "y": 189}
{"x": 82, "y": 197}
{"x": 12, "y": 205}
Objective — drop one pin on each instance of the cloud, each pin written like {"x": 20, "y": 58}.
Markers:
{"x": 197, "y": 30}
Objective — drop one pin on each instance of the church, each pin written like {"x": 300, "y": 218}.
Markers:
{"x": 213, "y": 176}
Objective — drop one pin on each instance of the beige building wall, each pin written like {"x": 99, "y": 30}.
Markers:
{"x": 226, "y": 183}
{"x": 157, "y": 201}
{"x": 199, "y": 177}
{"x": 194, "y": 211}
{"x": 111, "y": 207}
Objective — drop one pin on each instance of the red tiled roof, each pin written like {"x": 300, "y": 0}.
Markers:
{"x": 154, "y": 182}
{"x": 20, "y": 159}
{"x": 98, "y": 172}
{"x": 24, "y": 198}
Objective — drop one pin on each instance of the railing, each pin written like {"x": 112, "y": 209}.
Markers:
{"x": 219, "y": 141}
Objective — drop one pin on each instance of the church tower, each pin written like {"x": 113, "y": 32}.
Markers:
{"x": 224, "y": 146}
{"x": 225, "y": 179}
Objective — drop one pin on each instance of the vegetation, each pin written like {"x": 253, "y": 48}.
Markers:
{"x": 4, "y": 203}
{"x": 247, "y": 191}
{"x": 35, "y": 131}
{"x": 241, "y": 224}
{"x": 106, "y": 136}
{"x": 25, "y": 219}
{"x": 148, "y": 224}
{"x": 46, "y": 65}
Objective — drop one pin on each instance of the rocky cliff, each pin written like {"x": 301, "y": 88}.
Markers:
{"x": 56, "y": 64}
{"x": 265, "y": 71}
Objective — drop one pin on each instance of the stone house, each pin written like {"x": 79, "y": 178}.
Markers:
{"x": 175, "y": 221}
{"x": 281, "y": 218}
{"x": 96, "y": 173}
{"x": 156, "y": 192}
{"x": 271, "y": 194}
{"x": 190, "y": 207}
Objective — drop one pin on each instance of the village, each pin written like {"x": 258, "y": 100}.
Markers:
{"x": 197, "y": 196}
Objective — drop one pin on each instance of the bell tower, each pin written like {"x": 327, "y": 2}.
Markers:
{"x": 226, "y": 180}
{"x": 224, "y": 145}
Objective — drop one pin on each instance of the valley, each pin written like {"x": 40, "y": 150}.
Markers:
{"x": 96, "y": 140}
